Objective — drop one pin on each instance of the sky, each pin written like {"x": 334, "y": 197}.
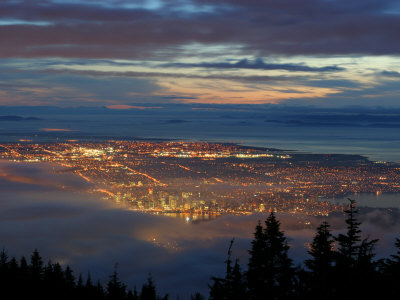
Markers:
{"x": 44, "y": 208}
{"x": 120, "y": 53}
{"x": 257, "y": 72}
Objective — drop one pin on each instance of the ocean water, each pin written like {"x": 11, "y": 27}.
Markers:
{"x": 379, "y": 142}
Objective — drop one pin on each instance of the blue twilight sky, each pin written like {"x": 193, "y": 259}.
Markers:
{"x": 119, "y": 53}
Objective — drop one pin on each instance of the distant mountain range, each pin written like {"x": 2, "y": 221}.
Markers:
{"x": 18, "y": 118}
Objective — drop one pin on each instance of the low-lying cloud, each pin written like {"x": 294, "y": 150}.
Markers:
{"x": 91, "y": 234}
{"x": 257, "y": 64}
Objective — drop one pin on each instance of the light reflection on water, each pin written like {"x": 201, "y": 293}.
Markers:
{"x": 190, "y": 217}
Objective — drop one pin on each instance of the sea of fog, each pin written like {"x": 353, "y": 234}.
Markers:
{"x": 42, "y": 208}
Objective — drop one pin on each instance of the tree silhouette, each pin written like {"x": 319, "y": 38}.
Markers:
{"x": 354, "y": 264}
{"x": 69, "y": 279}
{"x": 348, "y": 243}
{"x": 3, "y": 265}
{"x": 232, "y": 286}
{"x": 390, "y": 269}
{"x": 321, "y": 263}
{"x": 135, "y": 295}
{"x": 256, "y": 265}
{"x": 197, "y": 296}
{"x": 116, "y": 290}
{"x": 36, "y": 266}
{"x": 35, "y": 269}
{"x": 148, "y": 290}
{"x": 270, "y": 270}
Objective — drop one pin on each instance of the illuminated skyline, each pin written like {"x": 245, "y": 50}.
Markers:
{"x": 209, "y": 178}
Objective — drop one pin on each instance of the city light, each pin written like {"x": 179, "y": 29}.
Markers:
{"x": 196, "y": 178}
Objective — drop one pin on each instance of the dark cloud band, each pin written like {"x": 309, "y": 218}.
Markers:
{"x": 106, "y": 29}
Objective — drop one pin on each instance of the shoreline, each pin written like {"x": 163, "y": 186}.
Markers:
{"x": 105, "y": 139}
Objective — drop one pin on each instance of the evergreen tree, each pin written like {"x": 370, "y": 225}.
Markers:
{"x": 228, "y": 262}
{"x": 391, "y": 274}
{"x": 237, "y": 285}
{"x": 148, "y": 290}
{"x": 116, "y": 290}
{"x": 23, "y": 265}
{"x": 69, "y": 279}
{"x": 348, "y": 243}
{"x": 24, "y": 279}
{"x": 303, "y": 285}
{"x": 88, "y": 290}
{"x": 321, "y": 264}
{"x": 393, "y": 263}
{"x": 54, "y": 285}
{"x": 48, "y": 285}
{"x": 36, "y": 266}
{"x": 256, "y": 266}
{"x": 79, "y": 289}
{"x": 233, "y": 279}
{"x": 13, "y": 269}
{"x": 270, "y": 272}
{"x": 99, "y": 292}
{"x": 35, "y": 273}
{"x": 89, "y": 285}
{"x": 217, "y": 289}
{"x": 5, "y": 278}
{"x": 79, "y": 284}
{"x": 4, "y": 268}
{"x": 346, "y": 254}
{"x": 135, "y": 295}
{"x": 84, "y": 291}
{"x": 58, "y": 279}
{"x": 129, "y": 295}
{"x": 231, "y": 287}
{"x": 279, "y": 268}
{"x": 14, "y": 276}
{"x": 365, "y": 264}
{"x": 3, "y": 260}
{"x": 197, "y": 296}
{"x": 354, "y": 259}
{"x": 166, "y": 297}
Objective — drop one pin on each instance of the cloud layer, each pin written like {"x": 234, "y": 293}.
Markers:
{"x": 257, "y": 64}
{"x": 105, "y": 52}
{"x": 98, "y": 29}
{"x": 82, "y": 230}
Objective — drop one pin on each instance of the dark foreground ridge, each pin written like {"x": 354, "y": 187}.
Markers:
{"x": 35, "y": 280}
{"x": 339, "y": 267}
